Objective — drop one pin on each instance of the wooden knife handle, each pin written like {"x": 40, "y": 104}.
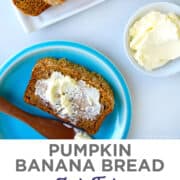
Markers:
{"x": 47, "y": 127}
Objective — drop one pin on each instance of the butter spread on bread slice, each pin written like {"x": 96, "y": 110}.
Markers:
{"x": 71, "y": 93}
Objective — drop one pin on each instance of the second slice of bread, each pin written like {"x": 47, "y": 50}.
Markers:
{"x": 43, "y": 70}
{"x": 31, "y": 7}
{"x": 54, "y": 2}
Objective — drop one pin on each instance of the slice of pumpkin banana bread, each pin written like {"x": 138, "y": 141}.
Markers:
{"x": 71, "y": 93}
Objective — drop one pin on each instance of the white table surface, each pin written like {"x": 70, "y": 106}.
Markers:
{"x": 156, "y": 101}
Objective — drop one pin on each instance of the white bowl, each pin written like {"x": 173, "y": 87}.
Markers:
{"x": 169, "y": 69}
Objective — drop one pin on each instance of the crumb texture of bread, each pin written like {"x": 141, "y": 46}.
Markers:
{"x": 31, "y": 7}
{"x": 54, "y": 2}
{"x": 43, "y": 70}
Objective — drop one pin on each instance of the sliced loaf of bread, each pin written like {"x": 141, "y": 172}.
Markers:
{"x": 31, "y": 7}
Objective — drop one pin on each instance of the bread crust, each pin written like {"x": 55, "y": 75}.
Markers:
{"x": 43, "y": 70}
{"x": 31, "y": 7}
{"x": 54, "y": 2}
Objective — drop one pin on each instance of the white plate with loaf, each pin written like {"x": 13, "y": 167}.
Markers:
{"x": 37, "y": 14}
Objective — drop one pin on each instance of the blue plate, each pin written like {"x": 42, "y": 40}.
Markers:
{"x": 16, "y": 72}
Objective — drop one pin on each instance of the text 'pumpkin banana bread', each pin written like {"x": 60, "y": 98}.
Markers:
{"x": 71, "y": 93}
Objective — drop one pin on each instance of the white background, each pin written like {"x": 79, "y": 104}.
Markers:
{"x": 167, "y": 151}
{"x": 156, "y": 101}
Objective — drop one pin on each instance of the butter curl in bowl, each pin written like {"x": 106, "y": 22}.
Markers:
{"x": 152, "y": 39}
